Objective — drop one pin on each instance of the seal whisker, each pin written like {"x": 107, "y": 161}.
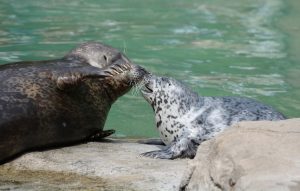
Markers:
{"x": 137, "y": 87}
{"x": 124, "y": 47}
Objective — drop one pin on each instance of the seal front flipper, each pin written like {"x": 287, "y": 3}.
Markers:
{"x": 160, "y": 154}
{"x": 151, "y": 141}
{"x": 70, "y": 78}
{"x": 99, "y": 135}
{"x": 185, "y": 147}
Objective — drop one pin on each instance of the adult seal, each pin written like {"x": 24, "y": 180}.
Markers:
{"x": 63, "y": 101}
{"x": 184, "y": 119}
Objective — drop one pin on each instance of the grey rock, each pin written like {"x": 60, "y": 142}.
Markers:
{"x": 114, "y": 165}
{"x": 250, "y": 156}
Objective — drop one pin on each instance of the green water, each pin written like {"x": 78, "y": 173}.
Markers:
{"x": 245, "y": 48}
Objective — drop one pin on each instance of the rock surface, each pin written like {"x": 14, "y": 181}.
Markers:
{"x": 249, "y": 156}
{"x": 114, "y": 165}
{"x": 252, "y": 156}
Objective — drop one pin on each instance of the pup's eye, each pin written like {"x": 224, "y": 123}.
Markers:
{"x": 105, "y": 58}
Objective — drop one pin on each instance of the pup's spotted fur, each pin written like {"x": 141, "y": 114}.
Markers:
{"x": 184, "y": 119}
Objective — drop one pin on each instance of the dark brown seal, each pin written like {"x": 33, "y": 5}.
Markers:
{"x": 63, "y": 101}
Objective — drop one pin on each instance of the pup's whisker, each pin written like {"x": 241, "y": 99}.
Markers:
{"x": 137, "y": 86}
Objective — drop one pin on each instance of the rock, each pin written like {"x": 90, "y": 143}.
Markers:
{"x": 252, "y": 156}
{"x": 114, "y": 165}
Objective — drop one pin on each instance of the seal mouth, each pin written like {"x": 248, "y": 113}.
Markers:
{"x": 147, "y": 89}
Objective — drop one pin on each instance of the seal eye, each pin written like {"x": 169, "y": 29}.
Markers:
{"x": 105, "y": 58}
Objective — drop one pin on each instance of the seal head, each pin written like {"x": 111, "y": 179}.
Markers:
{"x": 96, "y": 54}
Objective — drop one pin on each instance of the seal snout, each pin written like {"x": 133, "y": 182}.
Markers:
{"x": 136, "y": 74}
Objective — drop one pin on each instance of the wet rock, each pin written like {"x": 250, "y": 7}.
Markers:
{"x": 248, "y": 156}
{"x": 114, "y": 165}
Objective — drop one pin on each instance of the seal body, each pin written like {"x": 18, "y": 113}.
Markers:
{"x": 63, "y": 101}
{"x": 184, "y": 119}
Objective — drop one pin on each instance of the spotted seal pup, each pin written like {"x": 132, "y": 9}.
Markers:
{"x": 63, "y": 101}
{"x": 184, "y": 119}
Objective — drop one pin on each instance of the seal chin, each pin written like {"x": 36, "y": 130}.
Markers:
{"x": 147, "y": 91}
